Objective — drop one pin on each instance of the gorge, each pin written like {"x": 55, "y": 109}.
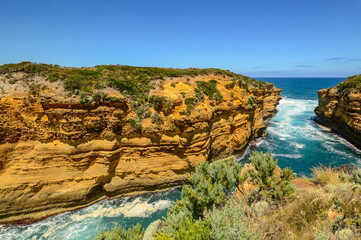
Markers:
{"x": 292, "y": 136}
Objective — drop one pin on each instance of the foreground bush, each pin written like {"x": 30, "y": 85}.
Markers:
{"x": 134, "y": 233}
{"x": 210, "y": 185}
{"x": 273, "y": 187}
{"x": 266, "y": 205}
{"x": 230, "y": 222}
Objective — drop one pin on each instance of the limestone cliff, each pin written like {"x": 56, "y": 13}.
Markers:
{"x": 340, "y": 108}
{"x": 64, "y": 147}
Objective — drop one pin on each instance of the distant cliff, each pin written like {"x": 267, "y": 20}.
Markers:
{"x": 340, "y": 108}
{"x": 71, "y": 136}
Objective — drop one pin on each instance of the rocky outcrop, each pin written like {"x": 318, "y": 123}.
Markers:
{"x": 340, "y": 109}
{"x": 57, "y": 155}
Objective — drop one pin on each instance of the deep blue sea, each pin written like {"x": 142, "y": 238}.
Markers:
{"x": 293, "y": 138}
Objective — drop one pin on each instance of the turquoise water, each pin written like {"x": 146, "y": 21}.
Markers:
{"x": 106, "y": 214}
{"x": 293, "y": 138}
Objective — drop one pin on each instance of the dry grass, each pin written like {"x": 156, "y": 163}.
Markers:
{"x": 300, "y": 219}
{"x": 314, "y": 212}
{"x": 326, "y": 175}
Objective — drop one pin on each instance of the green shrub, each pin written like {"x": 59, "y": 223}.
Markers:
{"x": 322, "y": 236}
{"x": 251, "y": 102}
{"x": 133, "y": 233}
{"x": 210, "y": 89}
{"x": 114, "y": 99}
{"x": 190, "y": 105}
{"x": 34, "y": 89}
{"x": 199, "y": 95}
{"x": 158, "y": 102}
{"x": 128, "y": 88}
{"x": 143, "y": 111}
{"x": 99, "y": 97}
{"x": 272, "y": 187}
{"x": 264, "y": 164}
{"x": 350, "y": 84}
{"x": 167, "y": 106}
{"x": 189, "y": 101}
{"x": 210, "y": 185}
{"x": 345, "y": 234}
{"x": 156, "y": 118}
{"x": 86, "y": 99}
{"x": 13, "y": 81}
{"x": 175, "y": 216}
{"x": 193, "y": 230}
{"x": 229, "y": 222}
{"x": 356, "y": 175}
{"x": 135, "y": 124}
{"x": 230, "y": 86}
{"x": 162, "y": 236}
{"x": 260, "y": 208}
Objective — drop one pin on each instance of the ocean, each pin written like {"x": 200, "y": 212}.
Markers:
{"x": 292, "y": 137}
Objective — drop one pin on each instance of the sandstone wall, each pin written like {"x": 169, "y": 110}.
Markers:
{"x": 56, "y": 156}
{"x": 341, "y": 112}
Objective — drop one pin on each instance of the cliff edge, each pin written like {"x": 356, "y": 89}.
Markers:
{"x": 340, "y": 108}
{"x": 72, "y": 136}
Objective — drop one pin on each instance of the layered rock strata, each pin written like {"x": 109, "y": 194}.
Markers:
{"x": 340, "y": 109}
{"x": 58, "y": 155}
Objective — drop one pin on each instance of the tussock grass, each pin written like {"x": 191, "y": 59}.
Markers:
{"x": 326, "y": 175}
{"x": 300, "y": 219}
{"x": 327, "y": 212}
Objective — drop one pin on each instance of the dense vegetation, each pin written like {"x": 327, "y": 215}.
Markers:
{"x": 129, "y": 80}
{"x": 350, "y": 84}
{"x": 265, "y": 204}
{"x": 134, "y": 83}
{"x": 210, "y": 89}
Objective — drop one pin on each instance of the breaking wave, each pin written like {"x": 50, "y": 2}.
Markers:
{"x": 300, "y": 143}
{"x": 106, "y": 214}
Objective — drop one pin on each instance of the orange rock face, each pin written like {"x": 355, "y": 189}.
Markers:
{"x": 341, "y": 112}
{"x": 56, "y": 156}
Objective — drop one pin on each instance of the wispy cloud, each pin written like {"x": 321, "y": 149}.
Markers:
{"x": 353, "y": 60}
{"x": 343, "y": 60}
{"x": 335, "y": 59}
{"x": 304, "y": 66}
{"x": 257, "y": 67}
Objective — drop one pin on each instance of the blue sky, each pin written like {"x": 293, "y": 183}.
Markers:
{"x": 259, "y": 38}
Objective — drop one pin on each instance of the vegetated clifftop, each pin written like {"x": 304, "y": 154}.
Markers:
{"x": 71, "y": 136}
{"x": 340, "y": 108}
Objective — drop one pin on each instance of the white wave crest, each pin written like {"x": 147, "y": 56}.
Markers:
{"x": 298, "y": 145}
{"x": 135, "y": 208}
{"x": 295, "y": 156}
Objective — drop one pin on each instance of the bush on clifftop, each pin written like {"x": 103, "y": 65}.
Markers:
{"x": 350, "y": 84}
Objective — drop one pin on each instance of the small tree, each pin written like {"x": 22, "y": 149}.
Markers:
{"x": 210, "y": 184}
{"x": 271, "y": 187}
